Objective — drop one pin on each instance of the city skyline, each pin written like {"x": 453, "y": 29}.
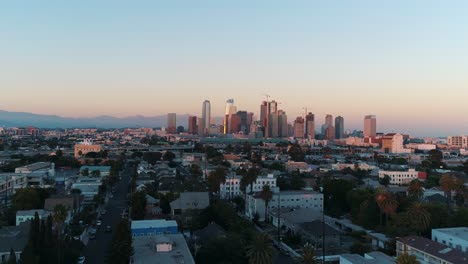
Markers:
{"x": 399, "y": 62}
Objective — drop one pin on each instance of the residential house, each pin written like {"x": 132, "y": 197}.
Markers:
{"x": 13, "y": 237}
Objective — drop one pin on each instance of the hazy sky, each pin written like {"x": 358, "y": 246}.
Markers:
{"x": 404, "y": 61}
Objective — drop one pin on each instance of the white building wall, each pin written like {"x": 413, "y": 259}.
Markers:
{"x": 400, "y": 177}
{"x": 231, "y": 188}
{"x": 451, "y": 240}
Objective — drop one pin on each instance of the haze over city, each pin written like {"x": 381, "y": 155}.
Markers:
{"x": 404, "y": 62}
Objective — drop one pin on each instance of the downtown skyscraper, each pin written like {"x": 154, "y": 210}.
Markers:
{"x": 206, "y": 117}
{"x": 370, "y": 126}
{"x": 339, "y": 127}
{"x": 171, "y": 123}
{"x": 310, "y": 126}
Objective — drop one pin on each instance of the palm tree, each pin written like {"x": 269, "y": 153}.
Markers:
{"x": 415, "y": 190}
{"x": 407, "y": 259}
{"x": 266, "y": 195}
{"x": 308, "y": 255}
{"x": 252, "y": 175}
{"x": 260, "y": 251}
{"x": 447, "y": 183}
{"x": 420, "y": 218}
{"x": 387, "y": 203}
{"x": 59, "y": 215}
{"x": 243, "y": 186}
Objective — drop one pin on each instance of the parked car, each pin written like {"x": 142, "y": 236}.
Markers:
{"x": 108, "y": 229}
{"x": 98, "y": 223}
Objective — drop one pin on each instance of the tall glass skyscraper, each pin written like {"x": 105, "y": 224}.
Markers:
{"x": 206, "y": 116}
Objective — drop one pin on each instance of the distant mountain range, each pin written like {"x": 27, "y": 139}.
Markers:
{"x": 22, "y": 119}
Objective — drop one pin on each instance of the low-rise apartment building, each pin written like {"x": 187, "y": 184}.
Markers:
{"x": 456, "y": 238}
{"x": 402, "y": 177}
{"x": 430, "y": 252}
{"x": 231, "y": 187}
{"x": 287, "y": 199}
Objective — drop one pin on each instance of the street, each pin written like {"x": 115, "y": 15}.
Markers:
{"x": 97, "y": 249}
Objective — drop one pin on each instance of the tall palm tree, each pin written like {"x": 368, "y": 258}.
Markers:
{"x": 244, "y": 182}
{"x": 447, "y": 183}
{"x": 252, "y": 175}
{"x": 308, "y": 255}
{"x": 59, "y": 215}
{"x": 407, "y": 259}
{"x": 415, "y": 190}
{"x": 387, "y": 203}
{"x": 260, "y": 251}
{"x": 420, "y": 217}
{"x": 266, "y": 195}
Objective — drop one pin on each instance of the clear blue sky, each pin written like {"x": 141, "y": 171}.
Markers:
{"x": 405, "y": 61}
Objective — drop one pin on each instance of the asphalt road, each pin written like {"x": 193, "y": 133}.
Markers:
{"x": 97, "y": 249}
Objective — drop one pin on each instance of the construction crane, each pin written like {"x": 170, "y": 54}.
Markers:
{"x": 305, "y": 108}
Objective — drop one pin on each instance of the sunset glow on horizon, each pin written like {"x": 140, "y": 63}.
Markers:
{"x": 404, "y": 62}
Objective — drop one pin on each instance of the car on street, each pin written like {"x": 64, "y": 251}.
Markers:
{"x": 80, "y": 260}
{"x": 108, "y": 229}
{"x": 98, "y": 223}
{"x": 103, "y": 212}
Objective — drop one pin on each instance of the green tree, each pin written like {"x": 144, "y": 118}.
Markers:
{"x": 385, "y": 181}
{"x": 85, "y": 172}
{"x": 139, "y": 205}
{"x": 266, "y": 195}
{"x": 308, "y": 255}
{"x": 121, "y": 246}
{"x": 95, "y": 173}
{"x": 215, "y": 178}
{"x": 407, "y": 259}
{"x": 420, "y": 218}
{"x": 59, "y": 215}
{"x": 251, "y": 176}
{"x": 415, "y": 190}
{"x": 260, "y": 251}
{"x": 387, "y": 204}
{"x": 168, "y": 156}
{"x": 152, "y": 157}
{"x": 447, "y": 184}
{"x": 27, "y": 199}
{"x": 295, "y": 152}
{"x": 12, "y": 258}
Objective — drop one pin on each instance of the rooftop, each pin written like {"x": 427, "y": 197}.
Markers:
{"x": 145, "y": 251}
{"x": 36, "y": 166}
{"x": 459, "y": 232}
{"x": 435, "y": 249}
{"x": 369, "y": 258}
{"x": 40, "y": 212}
{"x": 152, "y": 224}
{"x": 14, "y": 237}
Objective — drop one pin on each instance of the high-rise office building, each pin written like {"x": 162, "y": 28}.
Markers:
{"x": 339, "y": 127}
{"x": 264, "y": 116}
{"x": 244, "y": 126}
{"x": 200, "y": 128}
{"x": 234, "y": 124}
{"x": 171, "y": 123}
{"x": 299, "y": 127}
{"x": 370, "y": 126}
{"x": 282, "y": 124}
{"x": 230, "y": 110}
{"x": 310, "y": 126}
{"x": 192, "y": 125}
{"x": 329, "y": 120}
{"x": 273, "y": 125}
{"x": 206, "y": 117}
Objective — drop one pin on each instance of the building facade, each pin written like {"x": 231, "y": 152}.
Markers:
{"x": 402, "y": 177}
{"x": 370, "y": 126}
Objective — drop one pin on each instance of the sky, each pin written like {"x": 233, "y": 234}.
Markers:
{"x": 404, "y": 61}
